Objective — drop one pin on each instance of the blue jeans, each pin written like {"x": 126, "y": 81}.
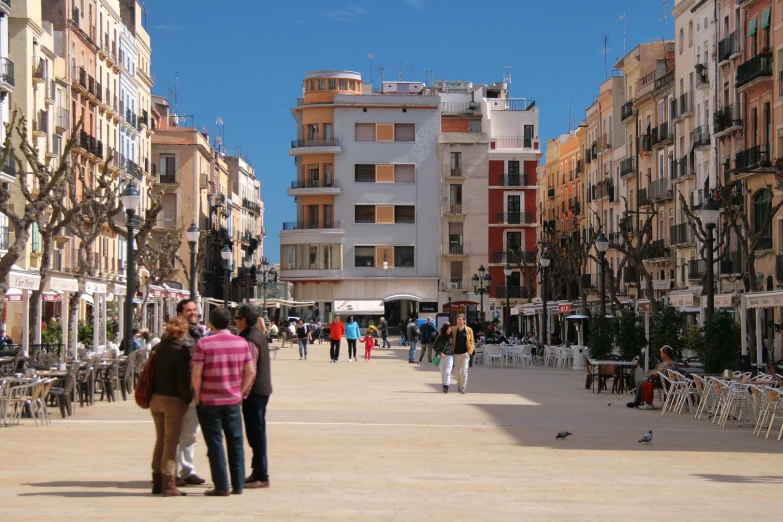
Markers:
{"x": 215, "y": 421}
{"x": 254, "y": 410}
{"x": 303, "y": 347}
{"x": 412, "y": 351}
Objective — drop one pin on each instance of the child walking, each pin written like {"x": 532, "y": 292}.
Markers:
{"x": 369, "y": 344}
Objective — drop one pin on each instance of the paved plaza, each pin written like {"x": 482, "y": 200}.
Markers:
{"x": 379, "y": 441}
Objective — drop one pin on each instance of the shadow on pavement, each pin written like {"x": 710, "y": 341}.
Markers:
{"x": 134, "y": 484}
{"x": 741, "y": 479}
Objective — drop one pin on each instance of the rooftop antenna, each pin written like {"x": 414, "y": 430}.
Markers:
{"x": 623, "y": 18}
{"x": 371, "y": 57}
{"x": 412, "y": 73}
{"x": 663, "y": 17}
{"x": 570, "y": 116}
{"x": 606, "y": 50}
{"x": 221, "y": 132}
{"x": 399, "y": 71}
{"x": 507, "y": 76}
{"x": 382, "y": 69}
{"x": 176, "y": 84}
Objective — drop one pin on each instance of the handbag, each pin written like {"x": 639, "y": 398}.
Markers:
{"x": 143, "y": 392}
{"x": 436, "y": 360}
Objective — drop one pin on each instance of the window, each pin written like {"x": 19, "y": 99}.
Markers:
{"x": 364, "y": 214}
{"x": 752, "y": 31}
{"x": 343, "y": 85}
{"x": 513, "y": 167}
{"x": 765, "y": 21}
{"x": 332, "y": 85}
{"x": 762, "y": 205}
{"x": 313, "y": 257}
{"x": 528, "y": 130}
{"x": 312, "y": 216}
{"x": 35, "y": 238}
{"x": 365, "y": 132}
{"x": 328, "y": 223}
{"x": 405, "y": 173}
{"x": 312, "y": 131}
{"x": 456, "y": 162}
{"x": 405, "y": 214}
{"x": 167, "y": 168}
{"x": 404, "y": 132}
{"x": 681, "y": 39}
{"x": 353, "y": 85}
{"x": 328, "y": 131}
{"x": 404, "y": 256}
{"x": 312, "y": 85}
{"x": 475, "y": 126}
{"x": 321, "y": 85}
{"x": 313, "y": 175}
{"x": 364, "y": 173}
{"x": 363, "y": 256}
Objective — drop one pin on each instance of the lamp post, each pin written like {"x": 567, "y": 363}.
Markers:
{"x": 544, "y": 261}
{"x": 601, "y": 245}
{"x": 709, "y": 217}
{"x": 481, "y": 282}
{"x": 248, "y": 263}
{"x": 130, "y": 198}
{"x": 193, "y": 234}
{"x": 226, "y": 255}
{"x": 268, "y": 277}
{"x": 506, "y": 318}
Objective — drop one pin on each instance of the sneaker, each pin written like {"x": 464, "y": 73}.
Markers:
{"x": 633, "y": 404}
{"x": 462, "y": 391}
{"x": 445, "y": 389}
{"x": 349, "y": 359}
{"x": 413, "y": 362}
{"x": 331, "y": 361}
{"x": 305, "y": 357}
{"x": 645, "y": 407}
{"x": 300, "y": 357}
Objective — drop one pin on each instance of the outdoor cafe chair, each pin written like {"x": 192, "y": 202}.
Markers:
{"x": 774, "y": 410}
{"x": 20, "y": 395}
{"x": 493, "y": 354}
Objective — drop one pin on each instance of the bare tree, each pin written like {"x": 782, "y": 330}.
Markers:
{"x": 45, "y": 194}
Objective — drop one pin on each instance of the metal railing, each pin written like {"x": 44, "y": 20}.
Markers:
{"x": 455, "y": 208}
{"x": 727, "y": 117}
{"x": 734, "y": 263}
{"x": 515, "y": 218}
{"x": 753, "y": 158}
{"x": 702, "y": 77}
{"x": 643, "y": 199}
{"x": 314, "y": 183}
{"x": 323, "y": 142}
{"x": 779, "y": 267}
{"x": 660, "y": 188}
{"x": 513, "y": 180}
{"x": 550, "y": 193}
{"x": 587, "y": 281}
{"x": 41, "y": 122}
{"x": 448, "y": 108}
{"x": 656, "y": 249}
{"x": 626, "y": 111}
{"x": 759, "y": 66}
{"x": 7, "y": 71}
{"x": 729, "y": 46}
{"x": 700, "y": 136}
{"x": 696, "y": 269}
{"x": 519, "y": 257}
{"x": 4, "y": 238}
{"x": 681, "y": 234}
{"x": 513, "y": 142}
{"x": 456, "y": 249}
{"x": 645, "y": 84}
{"x": 684, "y": 104}
{"x": 456, "y": 172}
{"x": 511, "y": 104}
{"x": 514, "y": 292}
{"x": 310, "y": 225}
{"x": 166, "y": 177}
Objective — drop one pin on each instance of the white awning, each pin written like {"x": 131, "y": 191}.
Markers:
{"x": 94, "y": 287}
{"x": 285, "y": 302}
{"x": 409, "y": 297}
{"x": 88, "y": 298}
{"x": 23, "y": 280}
{"x": 373, "y": 307}
{"x": 64, "y": 284}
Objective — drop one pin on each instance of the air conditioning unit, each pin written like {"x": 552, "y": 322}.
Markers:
{"x": 453, "y": 286}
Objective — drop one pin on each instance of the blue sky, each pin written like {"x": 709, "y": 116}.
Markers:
{"x": 246, "y": 64}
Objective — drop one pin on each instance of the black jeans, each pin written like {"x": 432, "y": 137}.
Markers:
{"x": 334, "y": 349}
{"x": 351, "y": 348}
{"x": 254, "y": 412}
{"x": 386, "y": 342}
{"x": 215, "y": 421}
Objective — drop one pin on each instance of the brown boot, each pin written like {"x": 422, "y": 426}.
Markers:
{"x": 157, "y": 483}
{"x": 170, "y": 487}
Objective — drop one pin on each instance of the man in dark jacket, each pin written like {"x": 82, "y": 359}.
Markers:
{"x": 254, "y": 405}
{"x": 384, "y": 328}
{"x": 428, "y": 335}
{"x": 413, "y": 339}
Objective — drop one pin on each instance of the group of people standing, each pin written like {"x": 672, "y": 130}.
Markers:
{"x": 211, "y": 383}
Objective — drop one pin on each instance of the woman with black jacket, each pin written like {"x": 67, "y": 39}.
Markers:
{"x": 171, "y": 395}
{"x": 444, "y": 349}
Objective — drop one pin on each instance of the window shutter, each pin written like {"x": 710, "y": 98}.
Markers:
{"x": 405, "y": 214}
{"x": 380, "y": 253}
{"x": 404, "y": 132}
{"x": 365, "y": 132}
{"x": 405, "y": 173}
{"x": 384, "y": 214}
{"x": 364, "y": 214}
{"x": 384, "y": 173}
{"x": 364, "y": 173}
{"x": 384, "y": 132}
{"x": 456, "y": 228}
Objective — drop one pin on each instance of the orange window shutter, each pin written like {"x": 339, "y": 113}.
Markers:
{"x": 379, "y": 256}
{"x": 384, "y": 173}
{"x": 384, "y": 132}
{"x": 384, "y": 214}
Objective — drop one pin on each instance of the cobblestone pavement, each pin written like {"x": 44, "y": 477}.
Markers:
{"x": 379, "y": 441}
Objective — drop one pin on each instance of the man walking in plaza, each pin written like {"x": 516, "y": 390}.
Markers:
{"x": 223, "y": 374}
{"x": 464, "y": 345}
{"x": 254, "y": 405}
{"x": 336, "y": 332}
{"x": 428, "y": 335}
{"x": 186, "y": 451}
{"x": 384, "y": 328}
{"x": 413, "y": 338}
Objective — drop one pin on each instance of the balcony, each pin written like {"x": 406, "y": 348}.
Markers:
{"x": 664, "y": 136}
{"x": 697, "y": 199}
{"x": 604, "y": 189}
{"x": 307, "y": 186}
{"x": 130, "y": 118}
{"x": 626, "y": 111}
{"x": 645, "y": 85}
{"x": 514, "y": 257}
{"x": 604, "y": 144}
{"x": 4, "y": 238}
{"x": 314, "y": 146}
{"x": 144, "y": 118}
{"x": 683, "y": 168}
{"x": 311, "y": 225}
{"x": 754, "y": 70}
{"x": 8, "y": 172}
{"x": 79, "y": 79}
{"x": 700, "y": 137}
{"x": 91, "y": 87}
{"x": 516, "y": 218}
{"x": 550, "y": 193}
{"x": 646, "y": 142}
{"x": 752, "y": 159}
{"x": 460, "y": 108}
{"x": 660, "y": 189}
{"x": 656, "y": 250}
{"x": 252, "y": 206}
{"x": 166, "y": 177}
{"x": 455, "y": 172}
{"x": 684, "y": 105}
{"x": 5, "y": 7}
{"x": 702, "y": 78}
{"x": 615, "y": 238}
{"x": 580, "y": 167}
{"x": 511, "y": 104}
{"x": 734, "y": 263}
{"x": 99, "y": 92}
{"x": 512, "y": 142}
{"x": 7, "y": 80}
{"x": 41, "y": 123}
{"x": 729, "y": 47}
{"x": 456, "y": 248}
{"x": 630, "y": 275}
{"x": 696, "y": 269}
{"x": 454, "y": 208}
{"x": 643, "y": 199}
{"x": 682, "y": 234}
{"x": 779, "y": 268}
{"x": 514, "y": 180}
{"x": 514, "y": 292}
{"x": 727, "y": 119}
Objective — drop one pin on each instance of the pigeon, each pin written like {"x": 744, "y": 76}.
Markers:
{"x": 647, "y": 439}
{"x": 563, "y": 435}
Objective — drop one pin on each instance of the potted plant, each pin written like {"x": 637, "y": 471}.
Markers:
{"x": 601, "y": 335}
{"x": 630, "y": 336}
{"x": 720, "y": 348}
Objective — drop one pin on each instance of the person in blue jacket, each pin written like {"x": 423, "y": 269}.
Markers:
{"x": 428, "y": 335}
{"x": 352, "y": 334}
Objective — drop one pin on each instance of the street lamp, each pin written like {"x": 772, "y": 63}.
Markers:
{"x": 268, "y": 278}
{"x": 506, "y": 311}
{"x": 481, "y": 282}
{"x": 226, "y": 255}
{"x": 709, "y": 217}
{"x": 601, "y": 245}
{"x": 248, "y": 263}
{"x": 193, "y": 234}
{"x": 130, "y": 198}
{"x": 544, "y": 261}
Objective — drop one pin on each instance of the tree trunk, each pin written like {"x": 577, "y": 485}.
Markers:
{"x": 73, "y": 320}
{"x": 12, "y": 255}
{"x": 36, "y": 304}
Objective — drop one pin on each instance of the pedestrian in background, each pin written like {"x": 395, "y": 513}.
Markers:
{"x": 352, "y": 335}
{"x": 369, "y": 344}
{"x": 428, "y": 335}
{"x": 464, "y": 346}
{"x": 336, "y": 332}
{"x": 413, "y": 338}
{"x": 384, "y": 327}
{"x": 443, "y": 347}
{"x": 301, "y": 337}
